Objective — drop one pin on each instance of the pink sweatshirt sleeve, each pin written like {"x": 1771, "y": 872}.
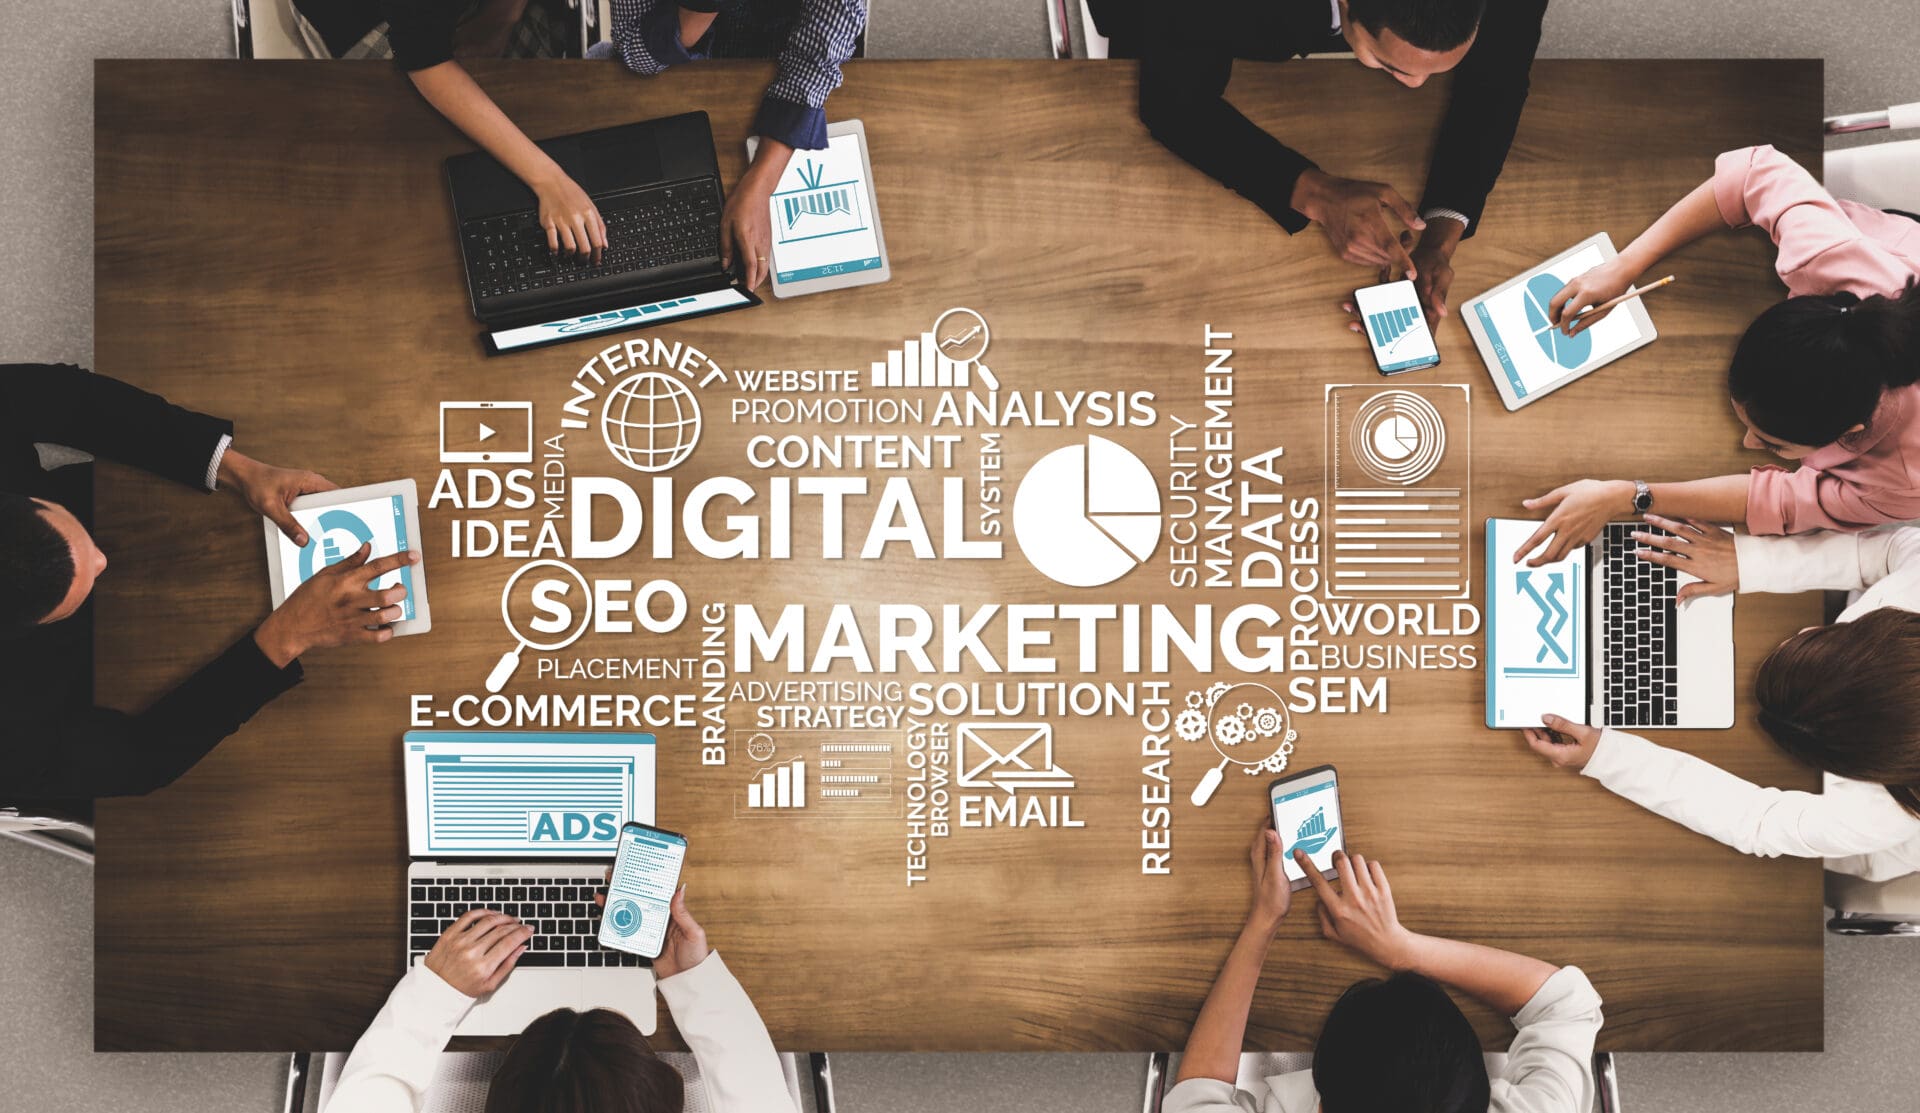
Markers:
{"x": 1821, "y": 251}
{"x": 1806, "y": 499}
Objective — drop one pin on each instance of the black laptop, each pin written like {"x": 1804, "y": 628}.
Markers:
{"x": 657, "y": 186}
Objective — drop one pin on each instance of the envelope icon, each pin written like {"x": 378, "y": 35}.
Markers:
{"x": 1009, "y": 756}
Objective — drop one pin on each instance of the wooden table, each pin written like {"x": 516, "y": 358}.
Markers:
{"x": 275, "y": 245}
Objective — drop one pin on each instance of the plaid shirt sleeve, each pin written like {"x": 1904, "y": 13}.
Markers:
{"x": 823, "y": 36}
{"x": 647, "y": 35}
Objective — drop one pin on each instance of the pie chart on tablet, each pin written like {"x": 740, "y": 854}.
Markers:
{"x": 1086, "y": 515}
{"x": 1567, "y": 351}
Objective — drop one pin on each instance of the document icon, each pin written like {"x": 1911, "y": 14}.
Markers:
{"x": 1009, "y": 756}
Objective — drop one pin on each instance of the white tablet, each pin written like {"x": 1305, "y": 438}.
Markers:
{"x": 387, "y": 515}
{"x": 826, "y": 228}
{"x": 1527, "y": 356}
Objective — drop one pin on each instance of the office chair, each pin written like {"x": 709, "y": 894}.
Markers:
{"x": 460, "y": 1083}
{"x": 1255, "y": 1067}
{"x": 69, "y": 837}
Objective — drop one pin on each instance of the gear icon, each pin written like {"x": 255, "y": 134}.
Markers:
{"x": 1191, "y": 724}
{"x": 1196, "y": 701}
{"x": 1214, "y": 692}
{"x": 1285, "y": 751}
{"x": 1275, "y": 763}
{"x": 1266, "y": 722}
{"x": 1244, "y": 711}
{"x": 1230, "y": 732}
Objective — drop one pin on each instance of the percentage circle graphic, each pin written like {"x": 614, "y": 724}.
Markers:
{"x": 1398, "y": 437}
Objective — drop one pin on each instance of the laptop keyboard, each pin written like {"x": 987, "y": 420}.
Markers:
{"x": 566, "y": 921}
{"x": 1642, "y": 663}
{"x": 646, "y": 230}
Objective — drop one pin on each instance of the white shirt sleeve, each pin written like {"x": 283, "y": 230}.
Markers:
{"x": 738, "y": 1065}
{"x": 213, "y": 465}
{"x": 1850, "y": 817}
{"x": 393, "y": 1063}
{"x": 1550, "y": 1062}
{"x": 1828, "y": 561}
{"x": 1210, "y": 1095}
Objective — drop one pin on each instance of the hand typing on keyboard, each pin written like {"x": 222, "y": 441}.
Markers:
{"x": 1695, "y": 548}
{"x": 569, "y": 217}
{"x": 478, "y": 952}
{"x": 1568, "y": 745}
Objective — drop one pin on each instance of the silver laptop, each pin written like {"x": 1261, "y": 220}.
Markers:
{"x": 1598, "y": 638}
{"x": 527, "y": 823}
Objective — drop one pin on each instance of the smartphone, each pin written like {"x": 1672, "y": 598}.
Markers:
{"x": 646, "y": 871}
{"x": 1306, "y": 812}
{"x": 1396, "y": 327}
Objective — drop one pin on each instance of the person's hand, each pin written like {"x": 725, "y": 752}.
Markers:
{"x": 1606, "y": 281}
{"x": 686, "y": 945}
{"x": 1272, "y": 890}
{"x": 1354, "y": 216}
{"x": 1568, "y": 745}
{"x": 746, "y": 231}
{"x": 1696, "y": 548}
{"x": 572, "y": 223}
{"x": 478, "y": 952}
{"x": 335, "y": 606}
{"x": 1432, "y": 256}
{"x": 1576, "y": 513}
{"x": 268, "y": 489}
{"x": 1360, "y": 914}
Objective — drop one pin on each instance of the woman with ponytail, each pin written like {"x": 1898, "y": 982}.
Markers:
{"x": 1826, "y": 378}
{"x": 1843, "y": 698}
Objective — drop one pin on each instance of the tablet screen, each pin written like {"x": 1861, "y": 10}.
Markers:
{"x": 822, "y": 215}
{"x": 527, "y": 336}
{"x": 337, "y": 532}
{"x": 1536, "y": 632}
{"x": 1531, "y": 353}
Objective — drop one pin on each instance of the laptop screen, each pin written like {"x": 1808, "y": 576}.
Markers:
{"x": 633, "y": 316}
{"x": 1536, "y": 632}
{"x": 524, "y": 794}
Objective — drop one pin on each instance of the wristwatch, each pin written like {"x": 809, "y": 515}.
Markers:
{"x": 1642, "y": 497}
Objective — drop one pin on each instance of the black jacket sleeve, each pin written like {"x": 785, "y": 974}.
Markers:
{"x": 67, "y": 405}
{"x": 1183, "y": 103}
{"x": 1489, "y": 92}
{"x": 95, "y": 751}
{"x": 421, "y": 31}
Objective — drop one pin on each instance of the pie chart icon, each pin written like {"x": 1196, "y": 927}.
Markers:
{"x": 1086, "y": 515}
{"x": 1398, "y": 437}
{"x": 1567, "y": 351}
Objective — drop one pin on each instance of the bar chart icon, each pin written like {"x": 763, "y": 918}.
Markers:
{"x": 1388, "y": 326}
{"x": 783, "y": 786}
{"x": 921, "y": 363}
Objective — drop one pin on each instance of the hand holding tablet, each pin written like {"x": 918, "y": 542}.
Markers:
{"x": 359, "y": 572}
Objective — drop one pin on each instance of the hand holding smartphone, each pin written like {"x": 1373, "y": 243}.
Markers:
{"x": 1306, "y": 813}
{"x": 1396, "y": 327}
{"x": 646, "y": 872}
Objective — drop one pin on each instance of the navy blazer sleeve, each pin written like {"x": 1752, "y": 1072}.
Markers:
{"x": 1489, "y": 92}
{"x": 98, "y": 414}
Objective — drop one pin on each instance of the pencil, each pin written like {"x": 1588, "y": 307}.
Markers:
{"x": 1610, "y": 303}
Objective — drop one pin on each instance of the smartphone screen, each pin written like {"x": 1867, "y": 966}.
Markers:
{"x": 1306, "y": 812}
{"x": 1396, "y": 327}
{"x": 646, "y": 871}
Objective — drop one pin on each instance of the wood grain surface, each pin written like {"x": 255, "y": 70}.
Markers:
{"x": 275, "y": 244}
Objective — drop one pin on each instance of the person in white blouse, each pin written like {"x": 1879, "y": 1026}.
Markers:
{"x": 567, "y": 1061}
{"x": 1397, "y": 1043}
{"x": 1844, "y": 698}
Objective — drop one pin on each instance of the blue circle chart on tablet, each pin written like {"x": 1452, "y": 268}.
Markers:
{"x": 625, "y": 917}
{"x": 325, "y": 543}
{"x": 1567, "y": 351}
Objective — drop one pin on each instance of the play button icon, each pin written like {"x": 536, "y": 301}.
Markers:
{"x": 486, "y": 431}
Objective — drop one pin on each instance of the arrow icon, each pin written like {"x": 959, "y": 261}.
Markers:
{"x": 486, "y": 431}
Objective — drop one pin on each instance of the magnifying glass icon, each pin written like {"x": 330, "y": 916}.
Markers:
{"x": 1248, "y": 726}
{"x": 509, "y": 662}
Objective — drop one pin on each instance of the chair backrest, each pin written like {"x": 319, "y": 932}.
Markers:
{"x": 460, "y": 1081}
{"x": 1258, "y": 1066}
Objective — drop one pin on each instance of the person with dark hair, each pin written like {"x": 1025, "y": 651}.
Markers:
{"x": 1829, "y": 378}
{"x": 56, "y": 745}
{"x": 1843, "y": 698}
{"x": 1396, "y": 1044}
{"x": 567, "y": 1061}
{"x": 1186, "y": 57}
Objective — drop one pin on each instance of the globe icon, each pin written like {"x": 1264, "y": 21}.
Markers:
{"x": 651, "y": 421}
